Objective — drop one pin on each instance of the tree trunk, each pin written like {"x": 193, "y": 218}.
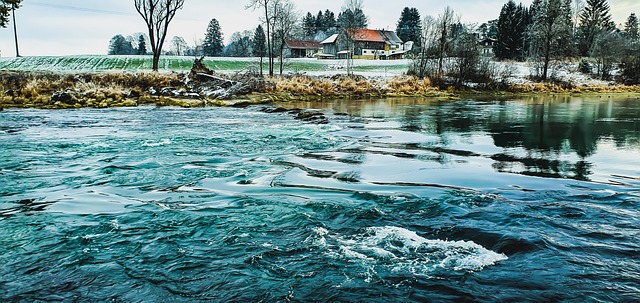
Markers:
{"x": 282, "y": 44}
{"x": 156, "y": 60}
{"x": 261, "y": 73}
{"x": 15, "y": 31}
{"x": 269, "y": 42}
{"x": 546, "y": 67}
{"x": 547, "y": 53}
{"x": 443, "y": 41}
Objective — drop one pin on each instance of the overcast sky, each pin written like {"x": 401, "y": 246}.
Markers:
{"x": 70, "y": 27}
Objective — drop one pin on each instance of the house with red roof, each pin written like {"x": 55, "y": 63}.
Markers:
{"x": 365, "y": 44}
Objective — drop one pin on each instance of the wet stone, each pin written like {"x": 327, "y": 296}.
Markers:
{"x": 64, "y": 97}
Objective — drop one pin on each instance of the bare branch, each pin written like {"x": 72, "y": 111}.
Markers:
{"x": 157, "y": 14}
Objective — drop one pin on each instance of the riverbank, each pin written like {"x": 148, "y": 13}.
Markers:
{"x": 49, "y": 90}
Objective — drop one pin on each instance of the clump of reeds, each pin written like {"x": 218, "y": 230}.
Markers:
{"x": 350, "y": 86}
{"x": 409, "y": 85}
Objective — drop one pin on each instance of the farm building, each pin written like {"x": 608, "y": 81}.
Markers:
{"x": 301, "y": 48}
{"x": 367, "y": 44}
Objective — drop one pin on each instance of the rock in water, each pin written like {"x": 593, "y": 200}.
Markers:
{"x": 312, "y": 117}
{"x": 65, "y": 97}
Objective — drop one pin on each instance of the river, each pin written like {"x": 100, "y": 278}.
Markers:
{"x": 398, "y": 200}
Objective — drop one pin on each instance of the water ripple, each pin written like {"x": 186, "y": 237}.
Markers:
{"x": 472, "y": 201}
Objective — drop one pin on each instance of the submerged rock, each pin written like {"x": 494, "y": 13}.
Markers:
{"x": 312, "y": 117}
{"x": 271, "y": 110}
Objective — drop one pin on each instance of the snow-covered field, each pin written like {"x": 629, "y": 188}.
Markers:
{"x": 219, "y": 64}
{"x": 518, "y": 72}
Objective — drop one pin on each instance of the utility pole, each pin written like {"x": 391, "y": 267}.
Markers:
{"x": 15, "y": 30}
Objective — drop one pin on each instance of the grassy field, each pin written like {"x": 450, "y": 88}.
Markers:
{"x": 173, "y": 63}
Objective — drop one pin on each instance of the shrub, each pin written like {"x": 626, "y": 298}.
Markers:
{"x": 585, "y": 67}
{"x": 630, "y": 71}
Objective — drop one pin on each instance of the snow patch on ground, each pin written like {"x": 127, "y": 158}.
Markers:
{"x": 519, "y": 72}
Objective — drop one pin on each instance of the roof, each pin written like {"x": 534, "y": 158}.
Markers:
{"x": 367, "y": 35}
{"x": 488, "y": 39}
{"x": 331, "y": 39}
{"x": 302, "y": 44}
{"x": 374, "y": 35}
{"x": 392, "y": 37}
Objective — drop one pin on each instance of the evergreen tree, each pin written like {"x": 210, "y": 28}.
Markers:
{"x": 319, "y": 22}
{"x": 310, "y": 25}
{"x": 119, "y": 45}
{"x": 259, "y": 44}
{"x": 594, "y": 19}
{"x": 213, "y": 45}
{"x": 6, "y": 7}
{"x": 142, "y": 45}
{"x": 409, "y": 26}
{"x": 511, "y": 32}
{"x": 489, "y": 29}
{"x": 328, "y": 21}
{"x": 352, "y": 19}
{"x": 631, "y": 26}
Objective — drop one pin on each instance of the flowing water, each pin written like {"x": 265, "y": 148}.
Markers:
{"x": 401, "y": 200}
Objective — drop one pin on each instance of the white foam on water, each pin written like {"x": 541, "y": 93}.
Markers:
{"x": 317, "y": 237}
{"x": 156, "y": 144}
{"x": 403, "y": 251}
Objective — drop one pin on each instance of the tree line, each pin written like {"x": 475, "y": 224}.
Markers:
{"x": 556, "y": 30}
{"x": 548, "y": 33}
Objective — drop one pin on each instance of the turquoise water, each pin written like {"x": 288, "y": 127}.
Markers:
{"x": 402, "y": 200}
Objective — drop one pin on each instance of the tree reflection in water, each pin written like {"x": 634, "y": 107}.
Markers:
{"x": 546, "y": 136}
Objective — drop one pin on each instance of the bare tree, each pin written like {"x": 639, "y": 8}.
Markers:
{"x": 445, "y": 23}
{"x": 157, "y": 14}
{"x": 353, "y": 5}
{"x": 255, "y": 4}
{"x": 576, "y": 10}
{"x": 608, "y": 49}
{"x": 422, "y": 64}
{"x": 550, "y": 32}
{"x": 178, "y": 46}
{"x": 352, "y": 19}
{"x": 284, "y": 20}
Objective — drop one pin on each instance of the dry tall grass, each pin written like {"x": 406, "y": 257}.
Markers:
{"x": 49, "y": 90}
{"x": 344, "y": 86}
{"x": 36, "y": 89}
